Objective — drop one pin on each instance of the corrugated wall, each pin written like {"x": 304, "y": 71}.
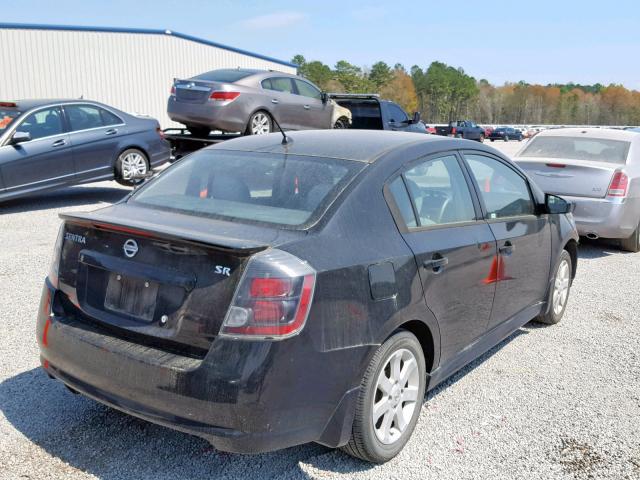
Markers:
{"x": 131, "y": 71}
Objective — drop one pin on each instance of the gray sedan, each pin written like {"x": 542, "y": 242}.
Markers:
{"x": 48, "y": 144}
{"x": 596, "y": 169}
{"x": 247, "y": 101}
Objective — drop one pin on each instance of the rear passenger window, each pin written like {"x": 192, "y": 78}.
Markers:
{"x": 403, "y": 202}
{"x": 504, "y": 191}
{"x": 83, "y": 117}
{"x": 109, "y": 118}
{"x": 282, "y": 84}
{"x": 439, "y": 192}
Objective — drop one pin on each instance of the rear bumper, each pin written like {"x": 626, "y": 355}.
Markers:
{"x": 244, "y": 397}
{"x": 225, "y": 116}
{"x": 604, "y": 217}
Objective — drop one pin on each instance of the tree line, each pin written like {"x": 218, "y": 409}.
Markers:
{"x": 442, "y": 93}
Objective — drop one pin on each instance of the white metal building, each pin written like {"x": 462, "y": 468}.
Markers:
{"x": 130, "y": 69}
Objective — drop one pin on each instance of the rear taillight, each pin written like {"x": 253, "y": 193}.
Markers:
{"x": 555, "y": 165}
{"x": 273, "y": 298}
{"x": 224, "y": 96}
{"x": 453, "y": 130}
{"x": 55, "y": 261}
{"x": 618, "y": 186}
{"x": 173, "y": 89}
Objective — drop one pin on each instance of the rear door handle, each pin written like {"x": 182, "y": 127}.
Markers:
{"x": 436, "y": 264}
{"x": 59, "y": 143}
{"x": 507, "y": 249}
{"x": 111, "y": 131}
{"x": 274, "y": 101}
{"x": 307, "y": 107}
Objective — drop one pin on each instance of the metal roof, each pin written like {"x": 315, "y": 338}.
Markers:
{"x": 360, "y": 145}
{"x": 144, "y": 31}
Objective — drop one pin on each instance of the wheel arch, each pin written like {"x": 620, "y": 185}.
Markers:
{"x": 261, "y": 108}
{"x": 572, "y": 247}
{"x": 126, "y": 147}
{"x": 424, "y": 335}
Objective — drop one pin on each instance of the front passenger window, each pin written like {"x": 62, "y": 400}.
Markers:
{"x": 504, "y": 191}
{"x": 43, "y": 123}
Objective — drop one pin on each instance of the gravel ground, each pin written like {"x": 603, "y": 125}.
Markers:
{"x": 559, "y": 402}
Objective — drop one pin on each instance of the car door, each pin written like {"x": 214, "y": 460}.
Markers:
{"x": 45, "y": 161}
{"x": 397, "y": 118}
{"x": 284, "y": 104}
{"x": 95, "y": 138}
{"x": 523, "y": 236}
{"x": 314, "y": 113}
{"x": 453, "y": 246}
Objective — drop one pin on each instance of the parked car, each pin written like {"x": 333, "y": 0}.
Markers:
{"x": 49, "y": 144}
{"x": 506, "y": 134}
{"x": 370, "y": 112}
{"x": 487, "y": 131}
{"x": 462, "y": 129}
{"x": 431, "y": 130}
{"x": 247, "y": 101}
{"x": 596, "y": 169}
{"x": 262, "y": 295}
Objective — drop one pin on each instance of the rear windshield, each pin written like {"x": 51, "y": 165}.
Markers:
{"x": 578, "y": 148}
{"x": 279, "y": 189}
{"x": 7, "y": 117}
{"x": 226, "y": 76}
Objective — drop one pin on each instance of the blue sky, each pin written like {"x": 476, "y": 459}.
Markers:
{"x": 539, "y": 41}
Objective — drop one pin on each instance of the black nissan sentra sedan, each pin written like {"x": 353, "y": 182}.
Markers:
{"x": 262, "y": 295}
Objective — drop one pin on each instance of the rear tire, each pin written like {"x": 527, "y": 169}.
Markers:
{"x": 129, "y": 163}
{"x": 559, "y": 294}
{"x": 506, "y": 138}
{"x": 481, "y": 139}
{"x": 632, "y": 244}
{"x": 199, "y": 132}
{"x": 260, "y": 123}
{"x": 342, "y": 122}
{"x": 390, "y": 399}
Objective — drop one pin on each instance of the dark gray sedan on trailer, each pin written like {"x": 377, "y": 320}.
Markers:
{"x": 48, "y": 144}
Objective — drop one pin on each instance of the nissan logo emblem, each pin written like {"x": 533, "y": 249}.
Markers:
{"x": 130, "y": 248}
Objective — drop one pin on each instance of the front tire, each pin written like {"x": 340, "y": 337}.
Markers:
{"x": 560, "y": 289}
{"x": 632, "y": 244}
{"x": 129, "y": 164}
{"x": 506, "y": 138}
{"x": 260, "y": 123}
{"x": 390, "y": 400}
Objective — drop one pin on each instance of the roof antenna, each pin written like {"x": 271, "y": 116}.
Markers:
{"x": 285, "y": 140}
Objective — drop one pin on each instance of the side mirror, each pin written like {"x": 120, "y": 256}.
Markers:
{"x": 557, "y": 205}
{"x": 324, "y": 97}
{"x": 20, "y": 137}
{"x": 416, "y": 117}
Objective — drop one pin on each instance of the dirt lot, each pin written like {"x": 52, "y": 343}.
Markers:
{"x": 558, "y": 402}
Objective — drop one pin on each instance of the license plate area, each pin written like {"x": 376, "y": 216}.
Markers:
{"x": 131, "y": 296}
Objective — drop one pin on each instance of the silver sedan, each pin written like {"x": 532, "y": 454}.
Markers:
{"x": 596, "y": 169}
{"x": 247, "y": 101}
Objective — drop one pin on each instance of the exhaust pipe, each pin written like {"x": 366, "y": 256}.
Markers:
{"x": 592, "y": 236}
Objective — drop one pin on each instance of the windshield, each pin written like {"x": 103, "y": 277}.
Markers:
{"x": 7, "y": 117}
{"x": 281, "y": 189}
{"x": 225, "y": 76}
{"x": 578, "y": 148}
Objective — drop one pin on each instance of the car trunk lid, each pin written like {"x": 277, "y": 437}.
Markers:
{"x": 578, "y": 178}
{"x": 195, "y": 91}
{"x": 161, "y": 279}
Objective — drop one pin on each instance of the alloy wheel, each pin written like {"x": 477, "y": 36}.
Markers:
{"x": 133, "y": 164}
{"x": 260, "y": 124}
{"x": 396, "y": 396}
{"x": 561, "y": 287}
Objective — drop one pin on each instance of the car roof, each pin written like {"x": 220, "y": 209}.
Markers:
{"x": 360, "y": 145}
{"x": 28, "y": 104}
{"x": 593, "y": 132}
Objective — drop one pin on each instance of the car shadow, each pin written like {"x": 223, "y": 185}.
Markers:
{"x": 112, "y": 445}
{"x": 109, "y": 444}
{"x": 599, "y": 248}
{"x": 66, "y": 197}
